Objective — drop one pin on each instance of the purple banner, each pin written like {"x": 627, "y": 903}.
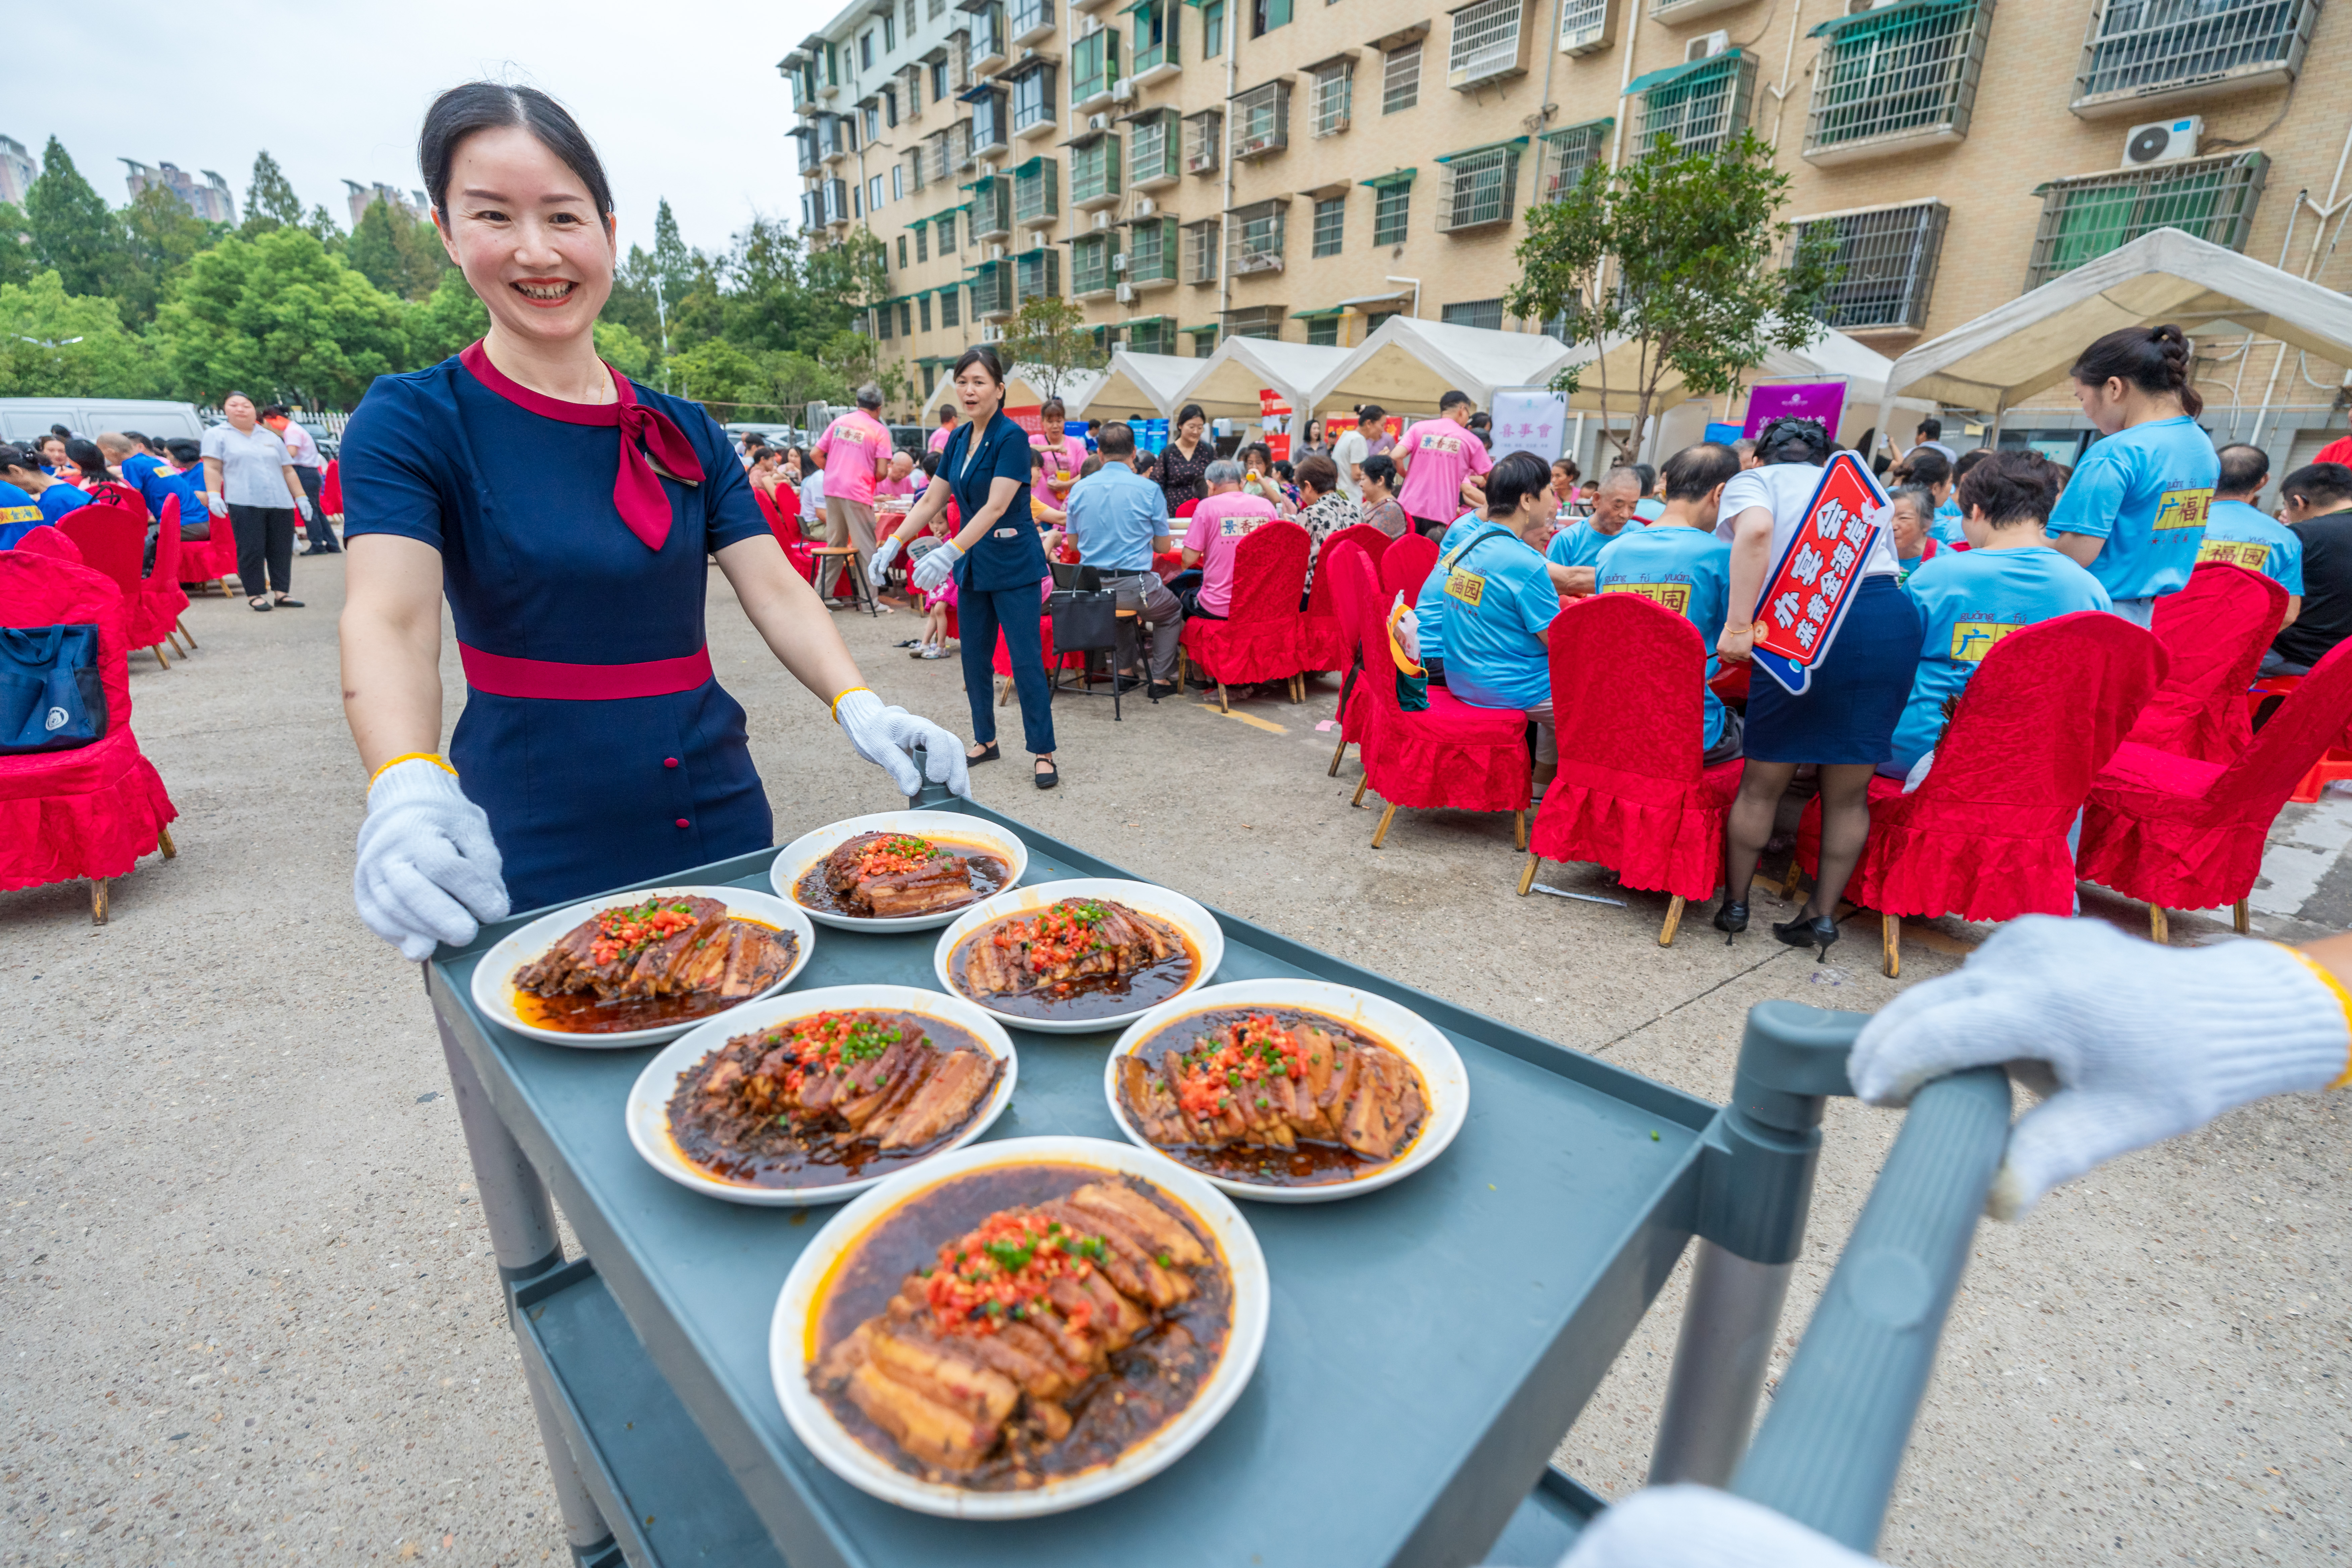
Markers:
{"x": 1821, "y": 400}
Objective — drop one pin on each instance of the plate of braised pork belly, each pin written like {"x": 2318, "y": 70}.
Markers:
{"x": 815, "y": 1097}
{"x": 1289, "y": 1092}
{"x": 634, "y": 969}
{"x": 1091, "y": 953}
{"x": 1019, "y": 1328}
{"x": 898, "y": 871}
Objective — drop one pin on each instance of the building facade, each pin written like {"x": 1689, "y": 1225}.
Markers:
{"x": 1188, "y": 170}
{"x": 17, "y": 171}
{"x": 208, "y": 198}
{"x": 358, "y": 197}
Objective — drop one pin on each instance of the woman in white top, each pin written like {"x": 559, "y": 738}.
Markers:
{"x": 249, "y": 479}
{"x": 1845, "y": 721}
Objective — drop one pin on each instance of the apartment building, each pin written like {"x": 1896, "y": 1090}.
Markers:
{"x": 208, "y": 198}
{"x": 1190, "y": 170}
{"x": 18, "y": 169}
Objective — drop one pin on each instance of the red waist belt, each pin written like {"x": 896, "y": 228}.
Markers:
{"x": 550, "y": 681}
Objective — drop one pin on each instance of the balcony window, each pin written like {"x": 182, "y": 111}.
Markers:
{"x": 1262, "y": 121}
{"x": 1151, "y": 252}
{"x": 1330, "y": 226}
{"x": 804, "y": 144}
{"x": 990, "y": 134}
{"x": 1486, "y": 314}
{"x": 991, "y": 291}
{"x": 1154, "y": 40}
{"x": 812, "y": 209}
{"x": 1091, "y": 266}
{"x": 1587, "y": 25}
{"x": 1255, "y": 238}
{"x": 959, "y": 53}
{"x": 1212, "y": 29}
{"x": 1205, "y": 140}
{"x": 1094, "y": 70}
{"x": 2142, "y": 55}
{"x": 1901, "y": 77}
{"x": 944, "y": 226}
{"x": 1489, "y": 43}
{"x": 1026, "y": 21}
{"x": 1036, "y": 275}
{"x": 1885, "y": 260}
{"x": 992, "y": 207}
{"x": 1151, "y": 335}
{"x": 1201, "y": 243}
{"x": 1151, "y": 153}
{"x": 1700, "y": 106}
{"x": 1333, "y": 95}
{"x": 987, "y": 50}
{"x": 939, "y": 157}
{"x": 1562, "y": 157}
{"x": 2213, "y": 198}
{"x": 1033, "y": 100}
{"x": 1391, "y": 206}
{"x": 1038, "y": 193}
{"x": 1481, "y": 187}
{"x": 1256, "y": 322}
{"x": 960, "y": 145}
{"x": 836, "y": 201}
{"x": 950, "y": 307}
{"x": 1094, "y": 169}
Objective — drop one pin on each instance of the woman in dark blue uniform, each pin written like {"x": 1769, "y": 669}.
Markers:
{"x": 569, "y": 516}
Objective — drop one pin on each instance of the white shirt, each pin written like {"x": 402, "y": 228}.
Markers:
{"x": 1785, "y": 489}
{"x": 299, "y": 443}
{"x": 252, "y": 466}
{"x": 812, "y": 495}
{"x": 1347, "y": 451}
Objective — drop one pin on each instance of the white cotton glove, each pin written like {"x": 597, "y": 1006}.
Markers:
{"x": 216, "y": 505}
{"x": 933, "y": 568}
{"x": 2145, "y": 1042}
{"x": 886, "y": 554}
{"x": 1408, "y": 629}
{"x": 883, "y": 736}
{"x": 303, "y": 505}
{"x": 428, "y": 869}
{"x": 1699, "y": 1527}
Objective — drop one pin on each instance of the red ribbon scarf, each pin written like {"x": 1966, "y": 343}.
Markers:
{"x": 637, "y": 493}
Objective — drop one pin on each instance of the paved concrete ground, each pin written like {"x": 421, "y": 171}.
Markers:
{"x": 249, "y": 1312}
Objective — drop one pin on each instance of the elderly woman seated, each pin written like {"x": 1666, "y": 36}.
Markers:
{"x": 1494, "y": 600}
{"x": 1223, "y": 520}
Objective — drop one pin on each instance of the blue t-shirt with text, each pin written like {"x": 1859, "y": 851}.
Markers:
{"x": 1969, "y": 600}
{"x": 2146, "y": 492}
{"x": 2242, "y": 536}
{"x": 1687, "y": 570}
{"x": 1429, "y": 608}
{"x": 1497, "y": 600}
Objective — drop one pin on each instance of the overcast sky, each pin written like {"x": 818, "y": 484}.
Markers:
{"x": 681, "y": 96}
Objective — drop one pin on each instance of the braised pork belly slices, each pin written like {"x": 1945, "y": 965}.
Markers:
{"x": 1042, "y": 1338}
{"x": 659, "y": 961}
{"x": 892, "y": 876}
{"x": 1279, "y": 1096}
{"x": 833, "y": 1096}
{"x": 1078, "y": 958}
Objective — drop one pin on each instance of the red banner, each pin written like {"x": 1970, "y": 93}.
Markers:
{"x": 1806, "y": 596}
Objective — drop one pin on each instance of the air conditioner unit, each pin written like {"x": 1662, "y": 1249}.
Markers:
{"x": 1089, "y": 25}
{"x": 1098, "y": 121}
{"x": 1122, "y": 92}
{"x": 1145, "y": 206}
{"x": 2163, "y": 140}
{"x": 996, "y": 253}
{"x": 1706, "y": 46}
{"x": 1102, "y": 219}
{"x": 1118, "y": 262}
{"x": 1585, "y": 28}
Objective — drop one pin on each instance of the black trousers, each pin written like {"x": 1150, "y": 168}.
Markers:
{"x": 319, "y": 532}
{"x": 265, "y": 536}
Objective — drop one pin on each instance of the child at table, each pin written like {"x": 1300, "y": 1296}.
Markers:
{"x": 1679, "y": 562}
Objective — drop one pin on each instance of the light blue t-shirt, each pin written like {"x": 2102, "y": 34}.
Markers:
{"x": 2242, "y": 536}
{"x": 1649, "y": 509}
{"x": 2144, "y": 490}
{"x": 1497, "y": 600}
{"x": 1115, "y": 514}
{"x": 1945, "y": 528}
{"x": 1429, "y": 609}
{"x": 1581, "y": 543}
{"x": 1969, "y": 600}
{"x": 1687, "y": 570}
{"x": 19, "y": 515}
{"x": 59, "y": 500}
{"x": 150, "y": 477}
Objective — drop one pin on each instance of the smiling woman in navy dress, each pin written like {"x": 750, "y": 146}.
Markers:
{"x": 568, "y": 514}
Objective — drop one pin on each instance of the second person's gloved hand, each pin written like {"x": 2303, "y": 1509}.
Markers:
{"x": 934, "y": 568}
{"x": 1699, "y": 1527}
{"x": 886, "y": 736}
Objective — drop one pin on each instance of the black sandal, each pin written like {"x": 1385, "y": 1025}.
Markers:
{"x": 987, "y": 753}
{"x": 1050, "y": 776}
{"x": 259, "y": 604}
{"x": 290, "y": 604}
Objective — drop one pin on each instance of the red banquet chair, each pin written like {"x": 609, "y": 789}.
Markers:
{"x": 1264, "y": 637}
{"x": 1632, "y": 793}
{"x": 1406, "y": 566}
{"x": 782, "y": 510}
{"x": 2185, "y": 834}
{"x": 155, "y": 613}
{"x": 1450, "y": 756}
{"x": 113, "y": 541}
{"x": 2214, "y": 632}
{"x": 49, "y": 541}
{"x": 1347, "y": 605}
{"x": 1984, "y": 836}
{"x": 211, "y": 558}
{"x": 1329, "y": 639}
{"x": 92, "y": 811}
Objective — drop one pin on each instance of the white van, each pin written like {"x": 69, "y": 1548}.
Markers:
{"x": 23, "y": 418}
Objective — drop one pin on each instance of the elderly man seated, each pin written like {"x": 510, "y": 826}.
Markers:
{"x": 1678, "y": 562}
{"x": 1224, "y": 519}
{"x": 1576, "y": 549}
{"x": 1117, "y": 519}
{"x": 2237, "y": 532}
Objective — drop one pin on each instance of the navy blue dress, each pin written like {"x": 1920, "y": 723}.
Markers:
{"x": 997, "y": 583}
{"x": 583, "y": 795}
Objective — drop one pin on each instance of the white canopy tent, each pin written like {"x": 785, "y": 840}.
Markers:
{"x": 2006, "y": 355}
{"x": 1227, "y": 382}
{"x": 1832, "y": 356}
{"x": 1408, "y": 364}
{"x": 1135, "y": 386}
{"x": 1022, "y": 390}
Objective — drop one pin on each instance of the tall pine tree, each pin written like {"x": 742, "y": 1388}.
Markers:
{"x": 73, "y": 233}
{"x": 373, "y": 251}
{"x": 673, "y": 262}
{"x": 269, "y": 201}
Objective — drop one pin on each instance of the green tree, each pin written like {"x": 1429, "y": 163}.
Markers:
{"x": 324, "y": 228}
{"x": 374, "y": 253}
{"x": 159, "y": 235}
{"x": 721, "y": 377}
{"x": 625, "y": 351}
{"x": 673, "y": 263}
{"x": 446, "y": 320}
{"x": 73, "y": 233}
{"x": 1675, "y": 255}
{"x": 56, "y": 344}
{"x": 270, "y": 199}
{"x": 276, "y": 316}
{"x": 848, "y": 277}
{"x": 632, "y": 302}
{"x": 423, "y": 260}
{"x": 16, "y": 263}
{"x": 1049, "y": 341}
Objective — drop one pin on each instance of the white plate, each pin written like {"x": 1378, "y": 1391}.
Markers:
{"x": 792, "y": 862}
{"x": 1400, "y": 1028}
{"x": 648, "y": 1108}
{"x": 845, "y": 1456}
{"x": 1208, "y": 941}
{"x": 494, "y": 975}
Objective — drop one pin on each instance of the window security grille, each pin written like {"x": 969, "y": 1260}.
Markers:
{"x": 1564, "y": 155}
{"x": 2139, "y": 50}
{"x": 1584, "y": 26}
{"x": 1887, "y": 266}
{"x": 1700, "y": 109}
{"x": 1257, "y": 321}
{"x": 1391, "y": 206}
{"x": 1090, "y": 267}
{"x": 1256, "y": 238}
{"x": 1904, "y": 76}
{"x": 992, "y": 208}
{"x": 1335, "y": 95}
{"x": 1262, "y": 121}
{"x": 1151, "y": 153}
{"x": 1330, "y": 226}
{"x": 1401, "y": 79}
{"x": 1486, "y": 43}
{"x": 1156, "y": 337}
{"x": 2213, "y": 198}
{"x": 991, "y": 291}
{"x": 1479, "y": 189}
{"x": 950, "y": 307}
{"x": 1205, "y": 140}
{"x": 1324, "y": 331}
{"x": 1038, "y": 193}
{"x": 1201, "y": 242}
{"x": 1487, "y": 313}
{"x": 1151, "y": 252}
{"x": 1094, "y": 169}
{"x": 1036, "y": 275}
{"x": 1026, "y": 18}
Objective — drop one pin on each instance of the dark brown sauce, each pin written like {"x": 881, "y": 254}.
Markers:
{"x": 1102, "y": 996}
{"x": 1150, "y": 1383}
{"x": 990, "y": 873}
{"x": 792, "y": 1158}
{"x": 584, "y": 1013}
{"x": 1313, "y": 1164}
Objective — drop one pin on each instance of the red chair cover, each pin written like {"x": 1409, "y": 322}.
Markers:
{"x": 201, "y": 560}
{"x": 1003, "y": 663}
{"x": 47, "y": 540}
{"x": 1631, "y": 795}
{"x": 1346, "y": 604}
{"x": 1471, "y": 758}
{"x": 2186, "y": 834}
{"x": 1406, "y": 566}
{"x": 330, "y": 489}
{"x": 93, "y": 811}
{"x": 1329, "y": 639}
{"x": 113, "y": 541}
{"x": 161, "y": 599}
{"x": 1985, "y": 835}
{"x": 1264, "y": 637}
{"x": 782, "y": 510}
{"x": 2215, "y": 632}
{"x": 121, "y": 497}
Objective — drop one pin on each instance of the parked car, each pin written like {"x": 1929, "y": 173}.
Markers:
{"x": 21, "y": 418}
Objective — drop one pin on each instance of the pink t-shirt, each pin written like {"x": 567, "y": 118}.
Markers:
{"x": 940, "y": 437}
{"x": 1219, "y": 526}
{"x": 889, "y": 487}
{"x": 1443, "y": 455}
{"x": 1073, "y": 454}
{"x": 849, "y": 450}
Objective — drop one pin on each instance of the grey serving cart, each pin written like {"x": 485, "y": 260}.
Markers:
{"x": 1429, "y": 1343}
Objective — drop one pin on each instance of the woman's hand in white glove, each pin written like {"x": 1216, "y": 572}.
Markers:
{"x": 428, "y": 869}
{"x": 303, "y": 505}
{"x": 216, "y": 505}
{"x": 932, "y": 570}
{"x": 2146, "y": 1042}
{"x": 1699, "y": 1527}
{"x": 885, "y": 736}
{"x": 885, "y": 554}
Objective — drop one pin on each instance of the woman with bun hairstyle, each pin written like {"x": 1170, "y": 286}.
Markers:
{"x": 568, "y": 515}
{"x": 1844, "y": 722}
{"x": 2134, "y": 509}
